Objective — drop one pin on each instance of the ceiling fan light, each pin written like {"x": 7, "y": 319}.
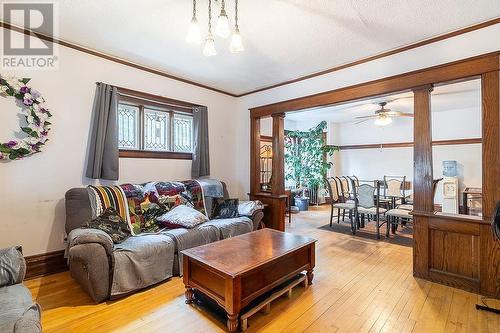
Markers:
{"x": 222, "y": 29}
{"x": 209, "y": 49}
{"x": 383, "y": 121}
{"x": 236, "y": 42}
{"x": 194, "y": 35}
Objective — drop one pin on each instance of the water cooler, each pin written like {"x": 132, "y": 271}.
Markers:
{"x": 450, "y": 187}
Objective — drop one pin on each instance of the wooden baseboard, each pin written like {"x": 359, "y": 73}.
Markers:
{"x": 45, "y": 264}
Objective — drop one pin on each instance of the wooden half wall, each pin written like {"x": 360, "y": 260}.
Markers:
{"x": 451, "y": 249}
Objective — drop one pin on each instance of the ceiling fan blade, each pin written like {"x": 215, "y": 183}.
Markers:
{"x": 366, "y": 117}
{"x": 393, "y": 113}
{"x": 361, "y": 121}
{"x": 402, "y": 114}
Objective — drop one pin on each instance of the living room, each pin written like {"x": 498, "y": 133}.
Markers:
{"x": 195, "y": 124}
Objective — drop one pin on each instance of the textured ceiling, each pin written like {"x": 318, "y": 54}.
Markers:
{"x": 463, "y": 95}
{"x": 283, "y": 39}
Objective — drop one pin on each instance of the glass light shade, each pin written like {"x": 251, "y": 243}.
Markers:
{"x": 194, "y": 35}
{"x": 209, "y": 49}
{"x": 236, "y": 42}
{"x": 382, "y": 121}
{"x": 222, "y": 29}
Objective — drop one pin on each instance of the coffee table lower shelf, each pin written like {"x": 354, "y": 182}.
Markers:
{"x": 265, "y": 304}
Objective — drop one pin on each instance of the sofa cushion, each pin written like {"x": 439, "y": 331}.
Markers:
{"x": 182, "y": 216}
{"x": 232, "y": 227}
{"x": 141, "y": 261}
{"x": 188, "y": 238}
{"x": 16, "y": 303}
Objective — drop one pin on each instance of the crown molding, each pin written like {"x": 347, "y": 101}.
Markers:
{"x": 381, "y": 55}
{"x": 109, "y": 57}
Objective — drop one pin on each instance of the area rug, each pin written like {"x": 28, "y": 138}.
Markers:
{"x": 403, "y": 236}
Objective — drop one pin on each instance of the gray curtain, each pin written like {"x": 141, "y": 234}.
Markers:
{"x": 102, "y": 161}
{"x": 201, "y": 156}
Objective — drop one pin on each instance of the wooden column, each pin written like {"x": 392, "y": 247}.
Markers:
{"x": 254, "y": 155}
{"x": 278, "y": 181}
{"x": 490, "y": 248}
{"x": 423, "y": 199}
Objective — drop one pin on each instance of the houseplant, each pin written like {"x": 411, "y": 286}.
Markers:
{"x": 305, "y": 157}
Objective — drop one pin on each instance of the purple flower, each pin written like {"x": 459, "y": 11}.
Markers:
{"x": 44, "y": 133}
{"x": 43, "y": 110}
{"x": 24, "y": 89}
{"x": 35, "y": 94}
{"x": 28, "y": 101}
{"x": 11, "y": 144}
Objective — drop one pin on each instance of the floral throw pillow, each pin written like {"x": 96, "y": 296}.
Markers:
{"x": 182, "y": 216}
{"x": 111, "y": 223}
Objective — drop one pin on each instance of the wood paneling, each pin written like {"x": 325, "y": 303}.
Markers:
{"x": 44, "y": 264}
{"x": 422, "y": 150}
{"x": 490, "y": 248}
{"x": 487, "y": 67}
{"x": 278, "y": 175}
{"x": 155, "y": 154}
{"x": 409, "y": 144}
{"x": 274, "y": 212}
{"x": 381, "y": 55}
{"x": 254, "y": 155}
{"x": 447, "y": 72}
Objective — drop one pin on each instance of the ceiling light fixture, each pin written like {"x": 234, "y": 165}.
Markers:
{"x": 194, "y": 34}
{"x": 222, "y": 29}
{"x": 383, "y": 121}
{"x": 236, "y": 41}
{"x": 209, "y": 49}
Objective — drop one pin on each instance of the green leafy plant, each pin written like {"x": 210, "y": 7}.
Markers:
{"x": 305, "y": 152}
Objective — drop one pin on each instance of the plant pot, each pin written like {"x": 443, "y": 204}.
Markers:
{"x": 302, "y": 203}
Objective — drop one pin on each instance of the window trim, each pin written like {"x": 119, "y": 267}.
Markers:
{"x": 157, "y": 103}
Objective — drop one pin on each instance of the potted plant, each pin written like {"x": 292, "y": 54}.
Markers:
{"x": 305, "y": 160}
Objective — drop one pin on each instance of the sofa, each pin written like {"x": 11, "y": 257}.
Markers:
{"x": 108, "y": 271}
{"x": 18, "y": 312}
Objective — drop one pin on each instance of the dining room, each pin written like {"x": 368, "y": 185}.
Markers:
{"x": 366, "y": 147}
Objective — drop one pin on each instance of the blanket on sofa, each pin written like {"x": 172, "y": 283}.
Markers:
{"x": 148, "y": 201}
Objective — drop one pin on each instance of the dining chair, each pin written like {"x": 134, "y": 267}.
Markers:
{"x": 338, "y": 200}
{"x": 402, "y": 213}
{"x": 367, "y": 203}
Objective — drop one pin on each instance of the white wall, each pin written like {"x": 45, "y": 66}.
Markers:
{"x": 452, "y": 49}
{"x": 32, "y": 200}
{"x": 33, "y": 189}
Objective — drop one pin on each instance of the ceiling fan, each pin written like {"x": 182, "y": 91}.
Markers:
{"x": 383, "y": 116}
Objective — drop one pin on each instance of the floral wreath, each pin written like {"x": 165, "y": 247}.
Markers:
{"x": 36, "y": 114}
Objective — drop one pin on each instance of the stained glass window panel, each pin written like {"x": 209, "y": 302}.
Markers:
{"x": 183, "y": 133}
{"x": 155, "y": 130}
{"x": 128, "y": 119}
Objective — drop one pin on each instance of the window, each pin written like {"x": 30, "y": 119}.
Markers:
{"x": 153, "y": 129}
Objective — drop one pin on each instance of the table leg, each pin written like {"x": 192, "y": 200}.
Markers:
{"x": 189, "y": 295}
{"x": 310, "y": 277}
{"x": 232, "y": 322}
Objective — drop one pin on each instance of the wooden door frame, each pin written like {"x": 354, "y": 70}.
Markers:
{"x": 486, "y": 67}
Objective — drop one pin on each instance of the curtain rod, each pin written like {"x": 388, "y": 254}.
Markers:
{"x": 154, "y": 98}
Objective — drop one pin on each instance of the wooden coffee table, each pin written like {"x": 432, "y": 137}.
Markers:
{"x": 235, "y": 271}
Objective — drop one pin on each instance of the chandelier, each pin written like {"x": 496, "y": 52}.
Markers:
{"x": 222, "y": 29}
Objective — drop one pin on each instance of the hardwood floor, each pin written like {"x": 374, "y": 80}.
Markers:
{"x": 360, "y": 285}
